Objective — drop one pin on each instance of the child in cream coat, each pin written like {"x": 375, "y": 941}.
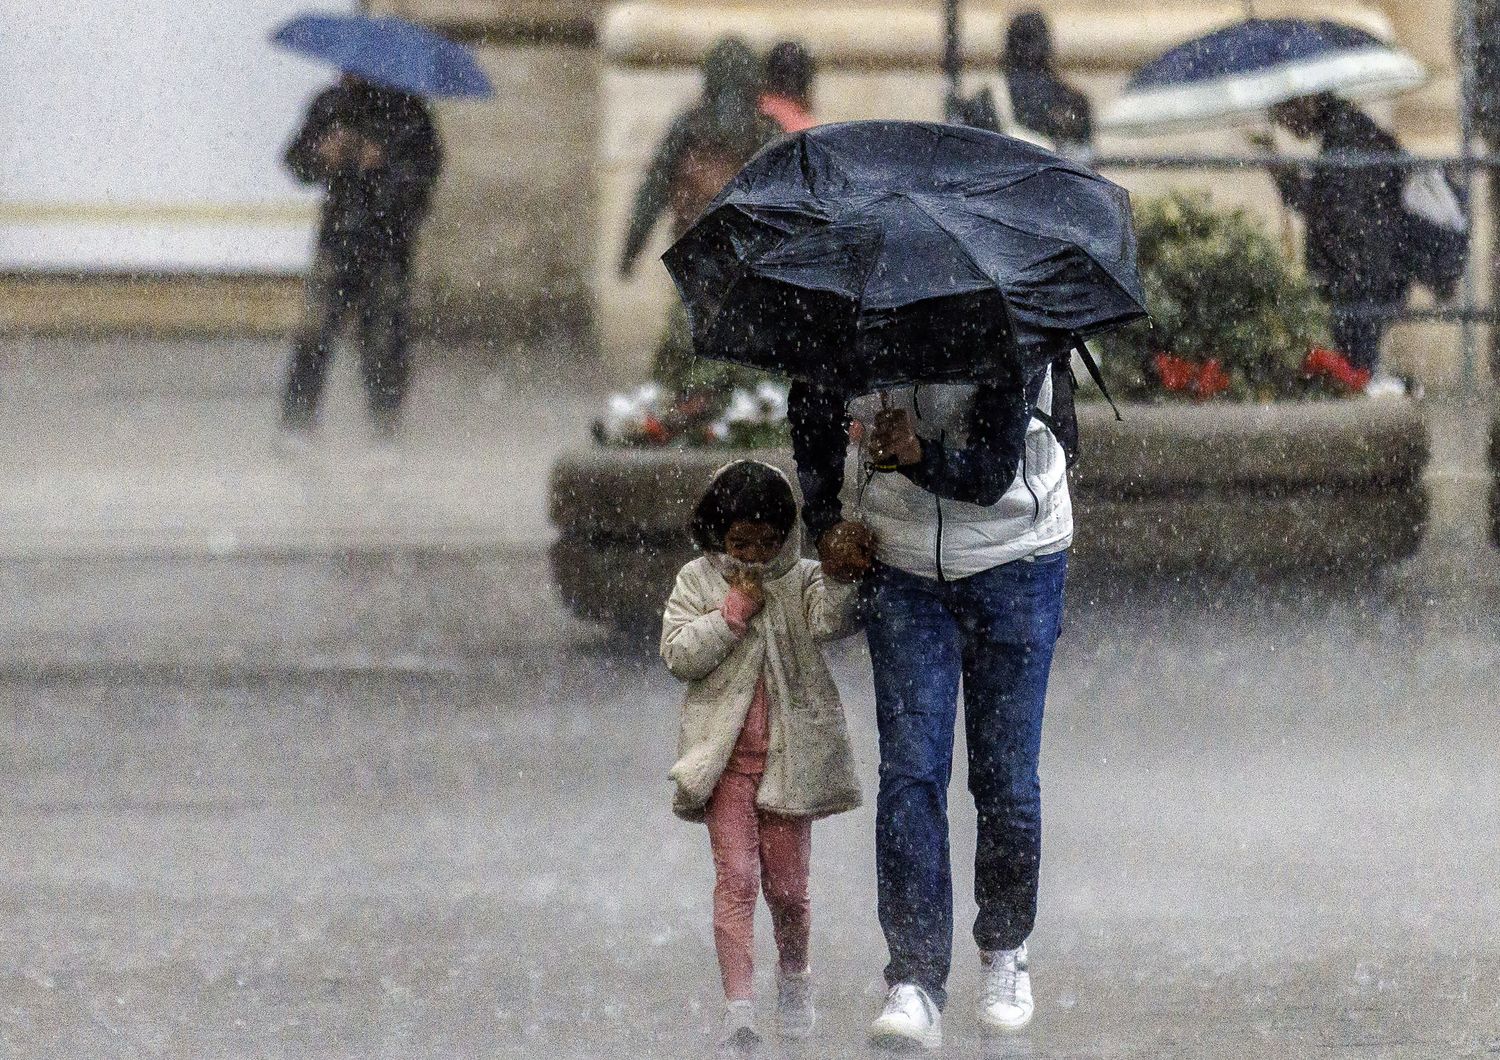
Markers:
{"x": 764, "y": 748}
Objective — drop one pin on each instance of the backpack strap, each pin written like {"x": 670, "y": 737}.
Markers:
{"x": 1096, "y": 375}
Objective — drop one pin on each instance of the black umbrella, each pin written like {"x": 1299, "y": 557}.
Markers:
{"x": 870, "y": 254}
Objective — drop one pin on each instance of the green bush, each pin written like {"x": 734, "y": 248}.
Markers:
{"x": 1219, "y": 288}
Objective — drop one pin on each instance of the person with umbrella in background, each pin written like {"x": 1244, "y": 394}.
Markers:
{"x": 376, "y": 153}
{"x": 371, "y": 144}
{"x": 704, "y": 148}
{"x": 1372, "y": 228}
{"x": 929, "y": 282}
{"x": 1356, "y": 222}
{"x": 786, "y": 94}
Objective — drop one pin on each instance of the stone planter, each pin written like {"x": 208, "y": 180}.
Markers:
{"x": 1286, "y": 486}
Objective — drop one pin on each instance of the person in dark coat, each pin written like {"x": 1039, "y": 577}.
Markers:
{"x": 703, "y": 150}
{"x": 1355, "y": 221}
{"x": 1039, "y": 99}
{"x": 377, "y": 154}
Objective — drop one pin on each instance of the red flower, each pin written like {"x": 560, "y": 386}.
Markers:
{"x": 1331, "y": 364}
{"x": 1177, "y": 374}
{"x": 654, "y": 431}
{"x": 1212, "y": 379}
{"x": 1182, "y": 376}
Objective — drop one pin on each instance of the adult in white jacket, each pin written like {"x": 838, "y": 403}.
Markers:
{"x": 972, "y": 523}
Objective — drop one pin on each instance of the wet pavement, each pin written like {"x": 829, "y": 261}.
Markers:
{"x": 1271, "y": 832}
{"x": 393, "y": 802}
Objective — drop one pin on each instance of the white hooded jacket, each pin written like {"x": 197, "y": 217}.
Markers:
{"x": 934, "y": 537}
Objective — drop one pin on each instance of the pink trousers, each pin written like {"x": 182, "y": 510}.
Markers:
{"x": 752, "y": 848}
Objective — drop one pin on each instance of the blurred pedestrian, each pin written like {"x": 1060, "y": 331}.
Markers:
{"x": 1356, "y": 228}
{"x": 376, "y": 153}
{"x": 1039, "y": 99}
{"x": 763, "y": 748}
{"x": 705, "y": 146}
{"x": 786, "y": 97}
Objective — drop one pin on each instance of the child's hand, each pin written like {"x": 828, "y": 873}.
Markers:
{"x": 749, "y": 586}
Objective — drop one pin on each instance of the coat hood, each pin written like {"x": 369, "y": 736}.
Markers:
{"x": 791, "y": 548}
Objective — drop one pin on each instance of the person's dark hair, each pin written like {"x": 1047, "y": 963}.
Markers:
{"x": 790, "y": 70}
{"x": 1028, "y": 43}
{"x": 745, "y": 491}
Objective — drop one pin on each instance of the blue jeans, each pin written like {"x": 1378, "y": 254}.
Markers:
{"x": 995, "y": 631}
{"x": 1358, "y": 335}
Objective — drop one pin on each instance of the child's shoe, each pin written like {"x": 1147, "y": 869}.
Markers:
{"x": 739, "y": 1026}
{"x": 794, "y": 1005}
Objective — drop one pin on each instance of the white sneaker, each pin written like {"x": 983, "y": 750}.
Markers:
{"x": 1005, "y": 991}
{"x": 910, "y": 1020}
{"x": 739, "y": 1026}
{"x": 794, "y": 1005}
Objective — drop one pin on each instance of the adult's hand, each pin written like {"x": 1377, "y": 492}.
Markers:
{"x": 333, "y": 147}
{"x": 368, "y": 155}
{"x": 894, "y": 442}
{"x": 847, "y": 551}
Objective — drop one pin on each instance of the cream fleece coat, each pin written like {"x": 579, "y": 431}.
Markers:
{"x": 809, "y": 763}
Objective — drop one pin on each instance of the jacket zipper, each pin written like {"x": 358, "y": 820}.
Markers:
{"x": 916, "y": 403}
{"x": 942, "y": 440}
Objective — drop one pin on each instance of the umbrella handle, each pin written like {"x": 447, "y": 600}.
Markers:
{"x": 885, "y": 406}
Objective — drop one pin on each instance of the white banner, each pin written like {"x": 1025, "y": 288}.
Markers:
{"x": 146, "y": 136}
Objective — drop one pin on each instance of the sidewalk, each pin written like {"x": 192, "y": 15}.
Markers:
{"x": 153, "y": 449}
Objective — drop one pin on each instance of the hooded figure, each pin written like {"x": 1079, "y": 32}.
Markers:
{"x": 1039, "y": 99}
{"x": 704, "y": 147}
{"x": 809, "y": 765}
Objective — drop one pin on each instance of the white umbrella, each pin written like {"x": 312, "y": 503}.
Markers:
{"x": 1234, "y": 74}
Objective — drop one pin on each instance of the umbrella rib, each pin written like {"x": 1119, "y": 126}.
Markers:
{"x": 959, "y": 243}
{"x": 1004, "y": 300}
{"x": 1017, "y": 228}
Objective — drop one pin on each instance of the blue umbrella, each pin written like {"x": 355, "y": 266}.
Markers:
{"x": 388, "y": 51}
{"x": 1237, "y": 72}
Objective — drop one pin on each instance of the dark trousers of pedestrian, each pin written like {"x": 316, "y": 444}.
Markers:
{"x": 994, "y": 631}
{"x": 373, "y": 297}
{"x": 1358, "y": 329}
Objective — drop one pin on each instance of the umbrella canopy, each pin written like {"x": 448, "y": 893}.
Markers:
{"x": 877, "y": 253}
{"x": 1235, "y": 73}
{"x": 388, "y": 51}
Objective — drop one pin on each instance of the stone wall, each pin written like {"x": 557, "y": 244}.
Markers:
{"x": 514, "y": 216}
